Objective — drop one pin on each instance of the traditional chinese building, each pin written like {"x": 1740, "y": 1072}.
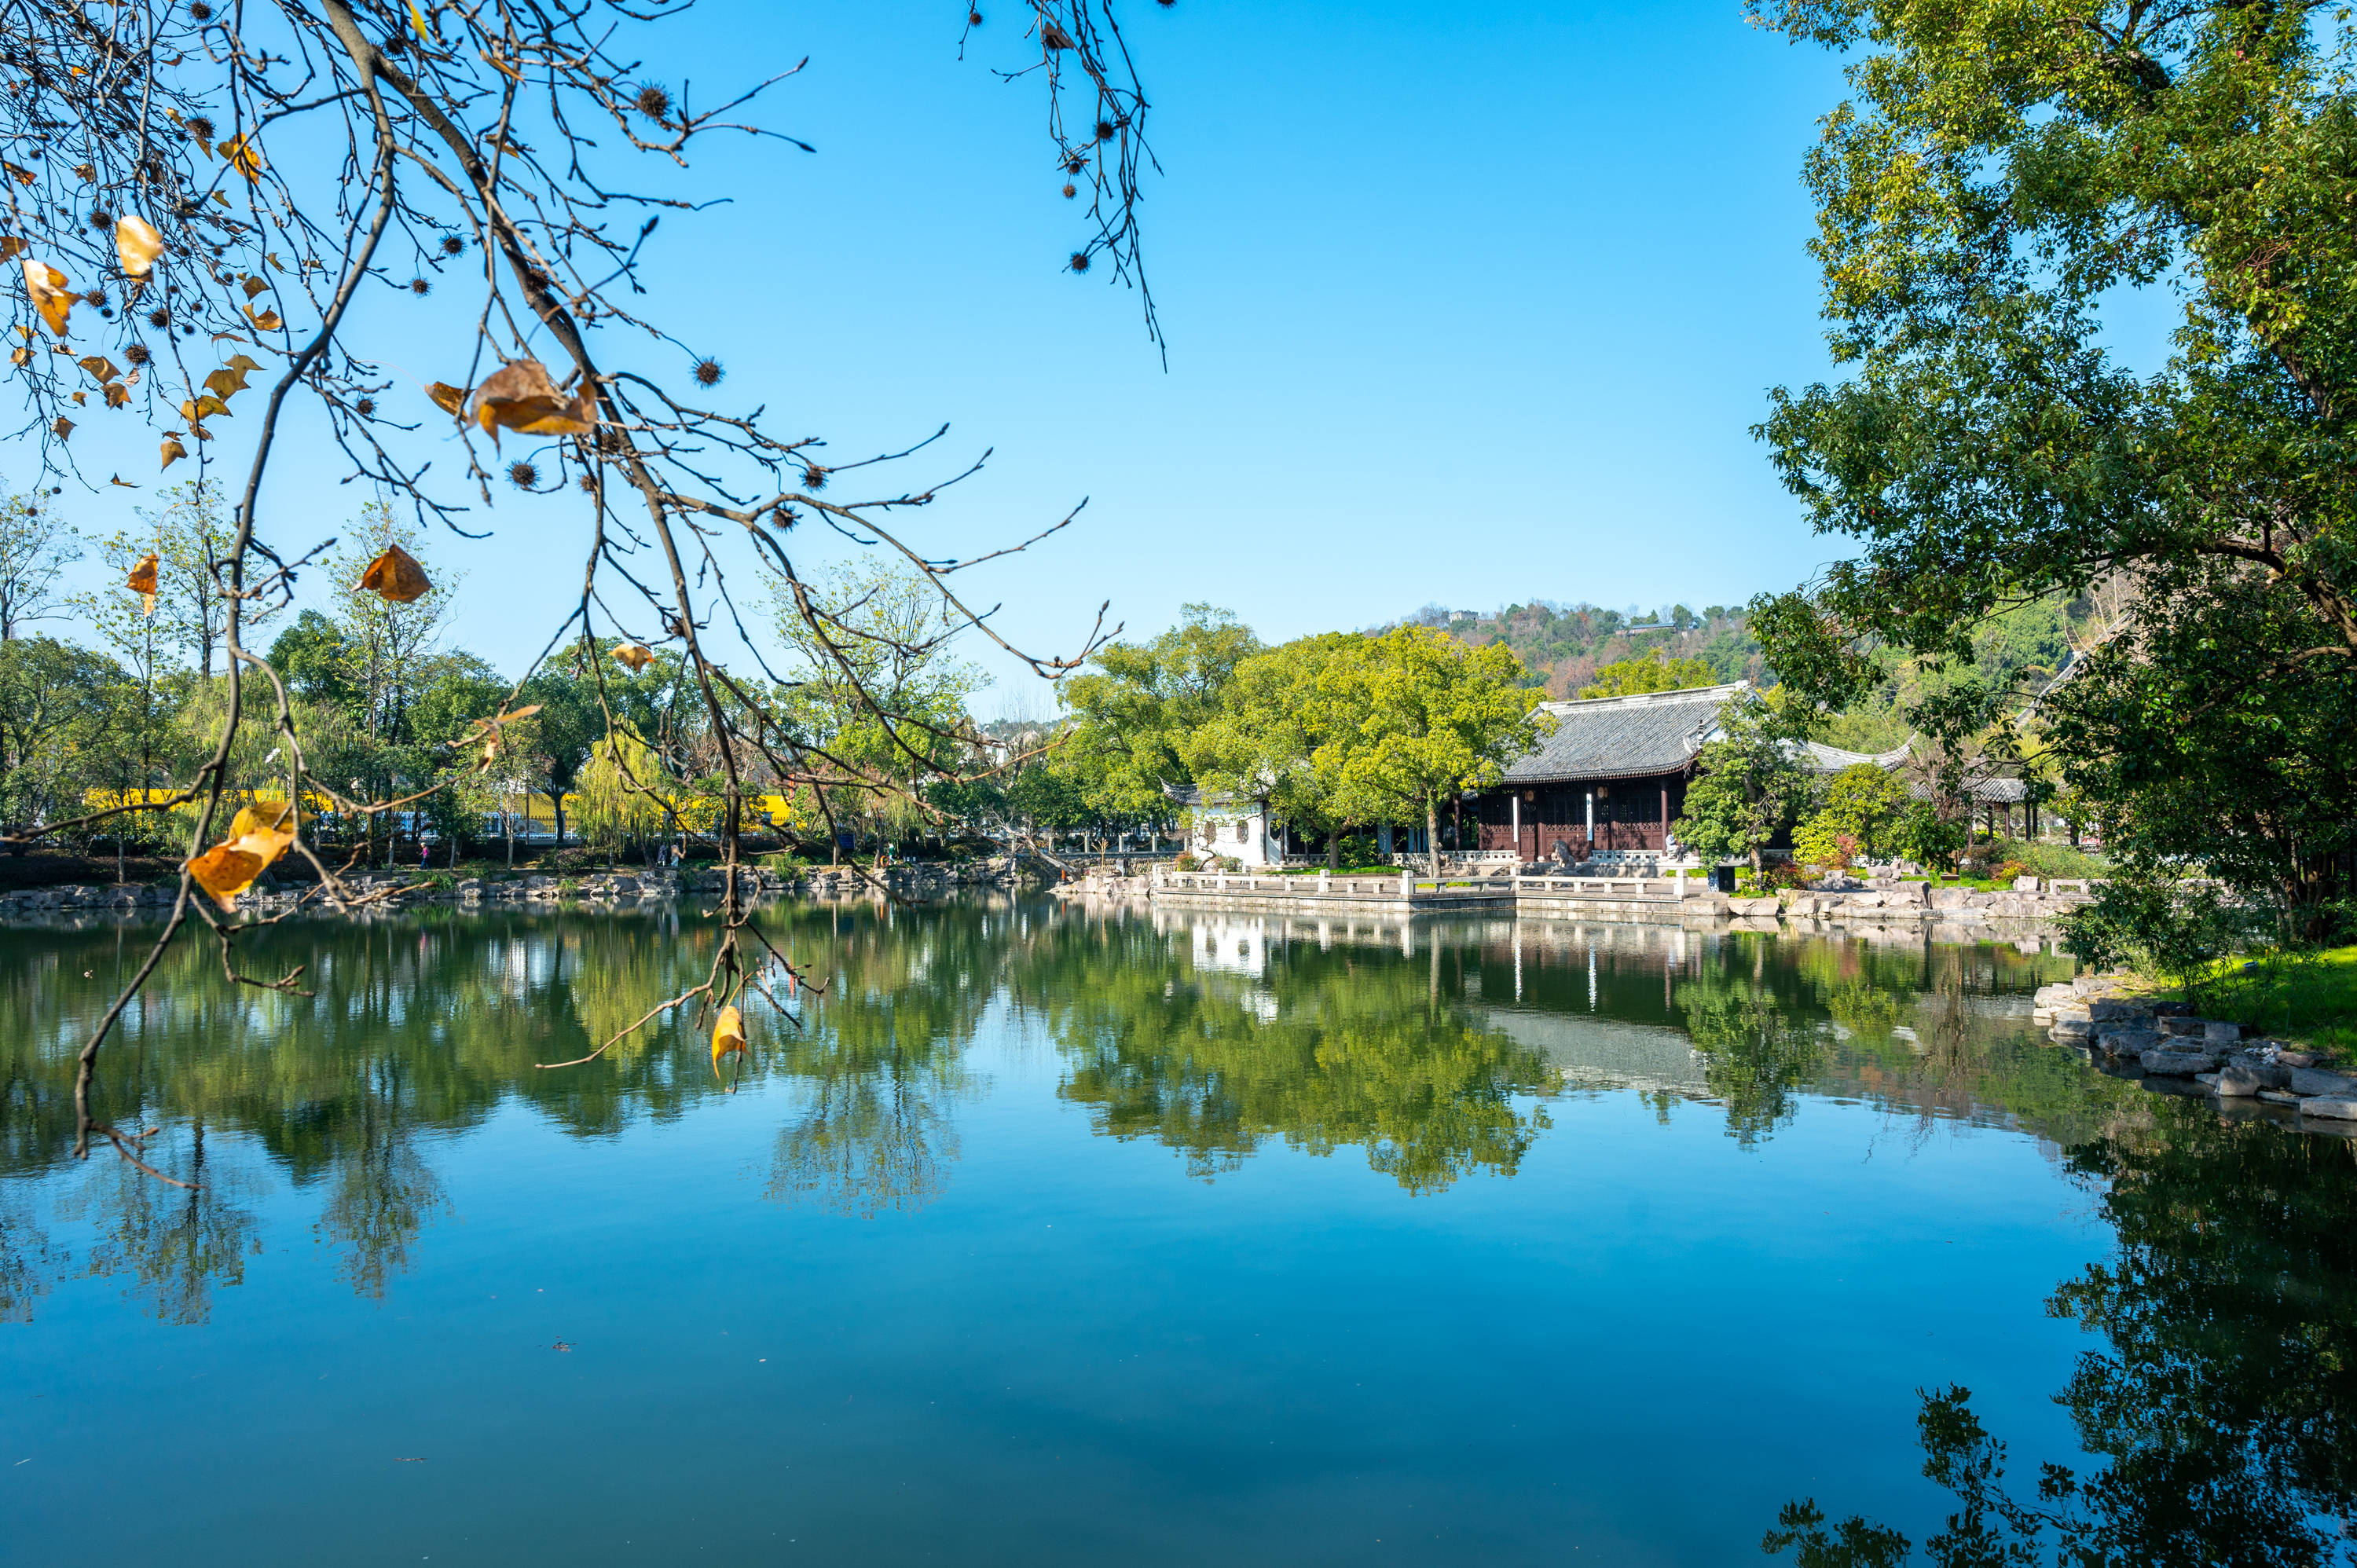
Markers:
{"x": 1613, "y": 776}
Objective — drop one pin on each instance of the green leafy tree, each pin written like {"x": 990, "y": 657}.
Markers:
{"x": 1282, "y": 732}
{"x": 141, "y": 739}
{"x": 191, "y": 538}
{"x": 1136, "y": 709}
{"x": 556, "y": 746}
{"x": 1427, "y": 718}
{"x": 53, "y": 696}
{"x": 877, "y": 692}
{"x": 623, "y": 794}
{"x": 1752, "y": 786}
{"x": 36, "y": 546}
{"x": 2004, "y": 178}
{"x": 1856, "y": 806}
{"x": 315, "y": 661}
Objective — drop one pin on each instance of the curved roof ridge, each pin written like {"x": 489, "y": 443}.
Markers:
{"x": 1649, "y": 699}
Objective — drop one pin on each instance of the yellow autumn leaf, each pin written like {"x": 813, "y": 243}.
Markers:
{"x": 172, "y": 451}
{"x": 136, "y": 245}
{"x": 227, "y": 382}
{"x": 243, "y": 155}
{"x": 21, "y": 175}
{"x": 266, "y": 320}
{"x": 62, "y": 427}
{"x": 256, "y": 839}
{"x": 20, "y": 356}
{"x": 450, "y": 400}
{"x": 99, "y": 367}
{"x": 634, "y": 654}
{"x": 9, "y": 246}
{"x": 117, "y": 394}
{"x": 417, "y": 20}
{"x": 52, "y": 296}
{"x": 520, "y": 396}
{"x": 255, "y": 285}
{"x": 142, "y": 580}
{"x": 728, "y": 1038}
{"x": 394, "y": 576}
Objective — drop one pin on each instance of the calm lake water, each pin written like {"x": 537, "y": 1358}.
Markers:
{"x": 1051, "y": 1238}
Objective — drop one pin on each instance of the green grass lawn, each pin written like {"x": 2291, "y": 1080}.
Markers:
{"x": 2308, "y": 997}
{"x": 1345, "y": 871}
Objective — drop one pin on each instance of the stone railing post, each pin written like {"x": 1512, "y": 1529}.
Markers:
{"x": 1325, "y": 879}
{"x": 1407, "y": 885}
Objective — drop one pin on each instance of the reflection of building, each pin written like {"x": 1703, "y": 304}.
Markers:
{"x": 1613, "y": 776}
{"x": 1236, "y": 944}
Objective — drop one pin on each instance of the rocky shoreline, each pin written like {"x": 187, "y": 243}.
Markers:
{"x": 2174, "y": 1051}
{"x": 405, "y": 890}
{"x": 2029, "y": 898}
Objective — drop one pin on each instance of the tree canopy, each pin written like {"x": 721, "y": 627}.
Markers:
{"x": 2003, "y": 175}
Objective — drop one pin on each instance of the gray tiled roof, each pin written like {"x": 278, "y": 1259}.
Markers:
{"x": 1623, "y": 738}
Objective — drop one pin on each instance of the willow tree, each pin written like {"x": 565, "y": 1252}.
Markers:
{"x": 201, "y": 197}
{"x": 625, "y": 796}
{"x": 2007, "y": 178}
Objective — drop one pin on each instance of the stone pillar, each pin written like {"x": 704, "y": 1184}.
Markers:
{"x": 1325, "y": 880}
{"x": 1591, "y": 819}
{"x": 1407, "y": 883}
{"x": 1514, "y": 803}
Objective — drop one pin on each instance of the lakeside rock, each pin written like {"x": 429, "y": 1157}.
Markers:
{"x": 2175, "y": 1051}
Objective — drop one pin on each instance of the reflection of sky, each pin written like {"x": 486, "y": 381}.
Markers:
{"x": 1075, "y": 1355}
{"x": 902, "y": 1297}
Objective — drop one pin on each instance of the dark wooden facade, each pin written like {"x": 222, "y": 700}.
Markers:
{"x": 1630, "y": 814}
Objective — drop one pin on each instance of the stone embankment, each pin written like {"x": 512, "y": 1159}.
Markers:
{"x": 2029, "y": 898}
{"x": 402, "y": 889}
{"x": 2177, "y": 1052}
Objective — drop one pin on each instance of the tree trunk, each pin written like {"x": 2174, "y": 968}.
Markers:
{"x": 1432, "y": 833}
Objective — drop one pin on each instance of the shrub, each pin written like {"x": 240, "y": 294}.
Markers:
{"x": 2150, "y": 919}
{"x": 1919, "y": 835}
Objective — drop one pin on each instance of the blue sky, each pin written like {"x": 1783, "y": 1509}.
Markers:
{"x": 1466, "y": 304}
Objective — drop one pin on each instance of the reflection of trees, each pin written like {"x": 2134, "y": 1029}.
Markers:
{"x": 1758, "y": 1054}
{"x": 418, "y": 1025}
{"x": 26, "y": 1258}
{"x": 1349, "y": 1049}
{"x": 2223, "y": 1401}
{"x": 881, "y": 1061}
{"x": 174, "y": 1245}
{"x": 382, "y": 1190}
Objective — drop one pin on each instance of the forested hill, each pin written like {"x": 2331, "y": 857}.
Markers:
{"x": 1564, "y": 645}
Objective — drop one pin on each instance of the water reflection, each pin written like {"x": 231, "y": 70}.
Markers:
{"x": 1429, "y": 1051}
{"x": 2219, "y": 1404}
{"x": 2212, "y": 1406}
